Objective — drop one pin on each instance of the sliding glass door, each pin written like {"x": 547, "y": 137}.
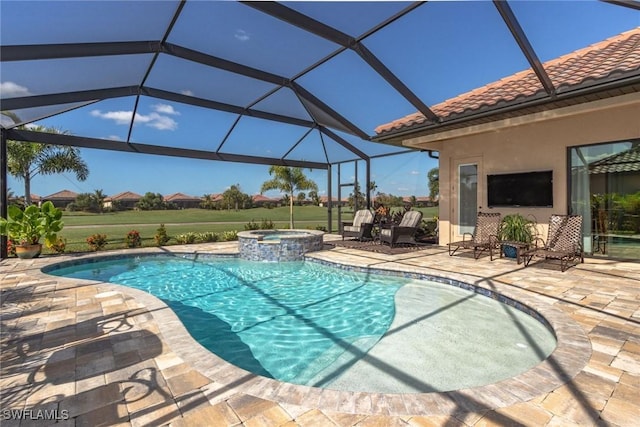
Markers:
{"x": 605, "y": 190}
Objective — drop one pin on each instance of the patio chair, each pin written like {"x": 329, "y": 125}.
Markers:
{"x": 404, "y": 232}
{"x": 564, "y": 241}
{"x": 484, "y": 237}
{"x": 360, "y": 227}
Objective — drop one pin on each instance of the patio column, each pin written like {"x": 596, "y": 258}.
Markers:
{"x": 329, "y": 202}
{"x": 368, "y": 182}
{"x": 3, "y": 189}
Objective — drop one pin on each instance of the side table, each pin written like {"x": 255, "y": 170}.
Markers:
{"x": 520, "y": 248}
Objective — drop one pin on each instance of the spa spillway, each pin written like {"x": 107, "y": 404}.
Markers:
{"x": 278, "y": 245}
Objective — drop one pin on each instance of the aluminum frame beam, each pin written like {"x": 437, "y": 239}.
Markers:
{"x": 105, "y": 144}
{"x": 320, "y": 29}
{"x": 523, "y": 42}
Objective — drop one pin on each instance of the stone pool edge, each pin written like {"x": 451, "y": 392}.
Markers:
{"x": 571, "y": 354}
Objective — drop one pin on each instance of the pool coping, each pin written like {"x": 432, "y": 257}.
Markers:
{"x": 570, "y": 356}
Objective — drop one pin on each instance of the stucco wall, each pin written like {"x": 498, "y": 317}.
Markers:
{"x": 528, "y": 144}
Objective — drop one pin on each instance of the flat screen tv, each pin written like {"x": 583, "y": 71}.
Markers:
{"x": 533, "y": 189}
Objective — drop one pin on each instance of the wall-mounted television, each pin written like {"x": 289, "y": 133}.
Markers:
{"x": 532, "y": 189}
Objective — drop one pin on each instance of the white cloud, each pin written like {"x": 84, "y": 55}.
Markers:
{"x": 6, "y": 121}
{"x": 165, "y": 109}
{"x": 403, "y": 189}
{"x": 114, "y": 138}
{"x": 414, "y": 173}
{"x": 242, "y": 35}
{"x": 12, "y": 90}
{"x": 154, "y": 120}
{"x": 120, "y": 117}
{"x": 186, "y": 92}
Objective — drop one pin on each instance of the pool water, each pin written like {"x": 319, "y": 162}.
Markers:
{"x": 282, "y": 320}
{"x": 311, "y": 324}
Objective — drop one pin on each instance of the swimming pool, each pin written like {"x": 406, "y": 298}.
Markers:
{"x": 306, "y": 323}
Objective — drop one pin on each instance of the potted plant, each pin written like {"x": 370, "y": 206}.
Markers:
{"x": 516, "y": 228}
{"x": 26, "y": 227}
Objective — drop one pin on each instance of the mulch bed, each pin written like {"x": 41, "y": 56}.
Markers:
{"x": 372, "y": 246}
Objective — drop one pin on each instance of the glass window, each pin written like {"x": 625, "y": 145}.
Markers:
{"x": 605, "y": 190}
{"x": 467, "y": 197}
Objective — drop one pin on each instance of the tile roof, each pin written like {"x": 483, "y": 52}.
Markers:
{"x": 181, "y": 197}
{"x": 615, "y": 55}
{"x": 262, "y": 198}
{"x": 626, "y": 161}
{"x": 125, "y": 195}
{"x": 61, "y": 195}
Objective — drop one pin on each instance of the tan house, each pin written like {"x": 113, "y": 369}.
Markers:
{"x": 124, "y": 200}
{"x": 563, "y": 138}
{"x": 60, "y": 199}
{"x": 183, "y": 201}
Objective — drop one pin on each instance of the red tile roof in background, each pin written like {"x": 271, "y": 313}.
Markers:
{"x": 61, "y": 195}
{"x": 618, "y": 54}
{"x": 181, "y": 197}
{"x": 125, "y": 195}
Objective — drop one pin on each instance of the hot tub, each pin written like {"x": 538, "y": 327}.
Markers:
{"x": 278, "y": 245}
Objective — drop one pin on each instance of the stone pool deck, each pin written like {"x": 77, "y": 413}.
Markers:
{"x": 100, "y": 354}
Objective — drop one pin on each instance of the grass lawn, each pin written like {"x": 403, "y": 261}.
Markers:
{"x": 80, "y": 225}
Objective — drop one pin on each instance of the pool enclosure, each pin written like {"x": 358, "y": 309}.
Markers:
{"x": 300, "y": 84}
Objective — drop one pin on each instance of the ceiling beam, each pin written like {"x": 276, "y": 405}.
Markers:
{"x": 308, "y": 24}
{"x": 9, "y": 104}
{"x": 76, "y": 50}
{"x": 521, "y": 38}
{"x": 633, "y": 4}
{"x": 99, "y": 94}
{"x": 346, "y": 144}
{"x": 394, "y": 81}
{"x": 312, "y": 99}
{"x": 223, "y": 64}
{"x": 229, "y": 108}
{"x": 111, "y": 145}
{"x": 301, "y": 21}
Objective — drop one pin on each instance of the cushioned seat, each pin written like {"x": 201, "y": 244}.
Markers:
{"x": 360, "y": 227}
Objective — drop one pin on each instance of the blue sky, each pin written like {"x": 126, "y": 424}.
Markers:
{"x": 467, "y": 44}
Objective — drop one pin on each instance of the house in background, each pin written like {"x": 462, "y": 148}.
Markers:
{"x": 60, "y": 199}
{"x": 260, "y": 200}
{"x": 595, "y": 109}
{"x": 183, "y": 201}
{"x": 124, "y": 200}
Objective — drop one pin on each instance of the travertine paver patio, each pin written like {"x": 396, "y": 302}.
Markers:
{"x": 103, "y": 354}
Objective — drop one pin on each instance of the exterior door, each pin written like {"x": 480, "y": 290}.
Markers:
{"x": 467, "y": 185}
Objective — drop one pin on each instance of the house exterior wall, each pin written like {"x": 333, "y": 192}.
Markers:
{"x": 532, "y": 143}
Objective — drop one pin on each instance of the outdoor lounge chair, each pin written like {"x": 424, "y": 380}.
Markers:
{"x": 403, "y": 232}
{"x": 485, "y": 236}
{"x": 563, "y": 241}
{"x": 360, "y": 227}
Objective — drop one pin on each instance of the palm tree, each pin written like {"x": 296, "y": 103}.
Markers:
{"x": 25, "y": 160}
{"x": 99, "y": 196}
{"x": 289, "y": 180}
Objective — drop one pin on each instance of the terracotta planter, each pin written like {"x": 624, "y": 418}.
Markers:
{"x": 28, "y": 251}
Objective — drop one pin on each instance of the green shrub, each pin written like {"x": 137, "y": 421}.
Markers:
{"x": 161, "y": 236}
{"x": 321, "y": 228}
{"x": 208, "y": 237}
{"x": 251, "y": 225}
{"x": 97, "y": 241}
{"x": 229, "y": 236}
{"x": 186, "y": 238}
{"x": 133, "y": 239}
{"x": 267, "y": 224}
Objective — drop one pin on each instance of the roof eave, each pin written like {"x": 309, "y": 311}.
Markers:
{"x": 576, "y": 94}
